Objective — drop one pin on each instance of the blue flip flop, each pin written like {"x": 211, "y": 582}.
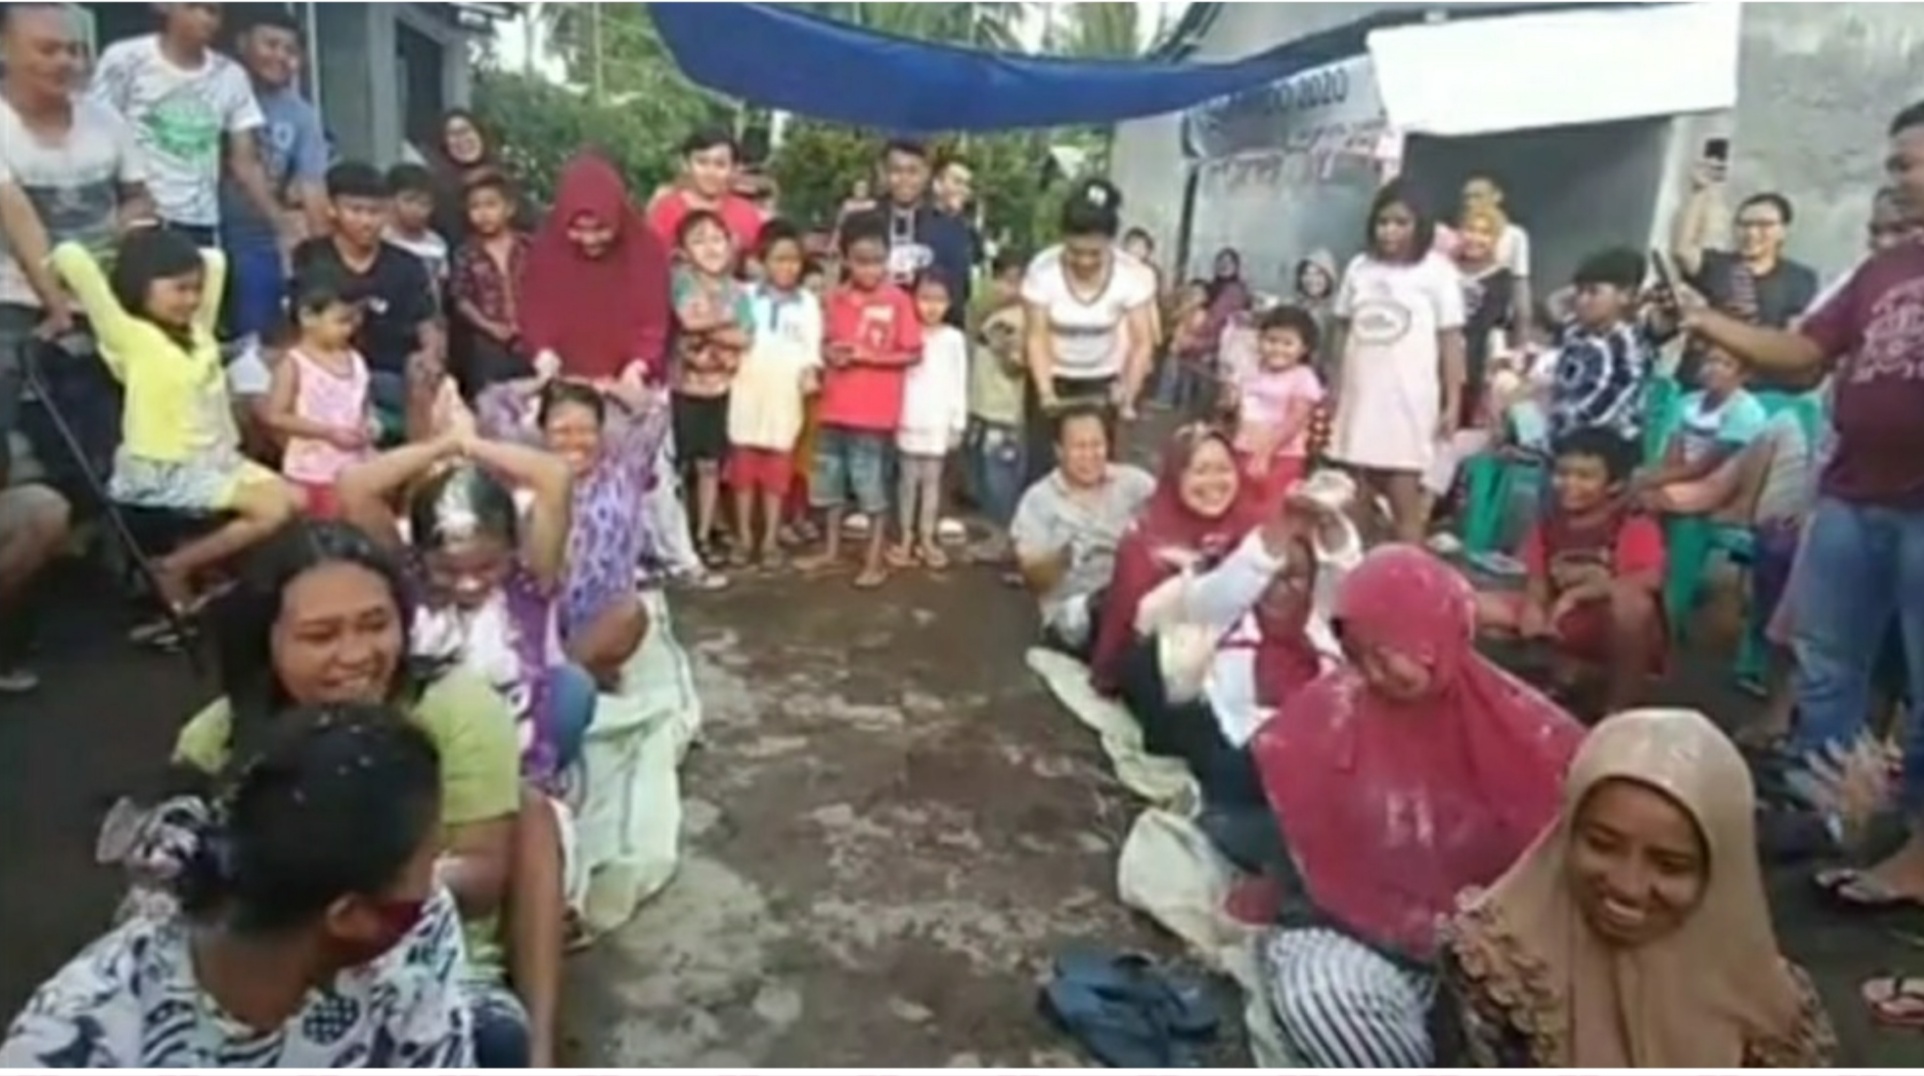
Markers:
{"x": 1128, "y": 1012}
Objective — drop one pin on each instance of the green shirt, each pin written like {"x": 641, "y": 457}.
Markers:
{"x": 997, "y": 383}
{"x": 473, "y": 730}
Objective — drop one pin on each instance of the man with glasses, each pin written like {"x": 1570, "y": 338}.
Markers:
{"x": 1755, "y": 282}
{"x": 192, "y": 111}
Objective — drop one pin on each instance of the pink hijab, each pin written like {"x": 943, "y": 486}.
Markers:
{"x": 1392, "y": 808}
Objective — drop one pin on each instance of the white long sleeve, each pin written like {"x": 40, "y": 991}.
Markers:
{"x": 935, "y": 401}
{"x": 1220, "y": 599}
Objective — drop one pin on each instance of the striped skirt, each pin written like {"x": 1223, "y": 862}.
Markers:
{"x": 1342, "y": 1005}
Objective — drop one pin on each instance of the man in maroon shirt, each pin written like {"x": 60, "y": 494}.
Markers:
{"x": 1863, "y": 566}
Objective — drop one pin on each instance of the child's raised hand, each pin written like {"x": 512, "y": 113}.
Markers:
{"x": 547, "y": 366}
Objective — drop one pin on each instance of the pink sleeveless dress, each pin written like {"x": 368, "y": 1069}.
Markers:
{"x": 327, "y": 397}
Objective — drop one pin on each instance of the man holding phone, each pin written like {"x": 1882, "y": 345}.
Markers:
{"x": 1754, "y": 281}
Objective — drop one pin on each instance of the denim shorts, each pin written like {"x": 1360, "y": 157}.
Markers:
{"x": 500, "y": 1025}
{"x": 851, "y": 467}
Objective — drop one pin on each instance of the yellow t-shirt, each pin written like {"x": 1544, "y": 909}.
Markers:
{"x": 473, "y": 730}
{"x": 177, "y": 408}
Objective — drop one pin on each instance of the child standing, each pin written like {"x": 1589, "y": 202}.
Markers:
{"x": 998, "y": 379}
{"x": 715, "y": 319}
{"x": 1605, "y": 357}
{"x": 766, "y": 407}
{"x": 935, "y": 415}
{"x": 873, "y": 335}
{"x": 411, "y": 225}
{"x": 180, "y": 448}
{"x": 1596, "y": 573}
{"x": 1275, "y": 403}
{"x": 484, "y": 284}
{"x": 319, "y": 401}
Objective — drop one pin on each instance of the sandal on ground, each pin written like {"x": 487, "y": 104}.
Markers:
{"x": 872, "y": 579}
{"x": 934, "y": 559}
{"x": 1126, "y": 1012}
{"x": 1857, "y": 893}
{"x": 1896, "y": 1001}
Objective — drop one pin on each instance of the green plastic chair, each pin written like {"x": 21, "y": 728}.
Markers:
{"x": 1692, "y": 541}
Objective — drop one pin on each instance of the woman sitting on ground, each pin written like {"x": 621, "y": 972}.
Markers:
{"x": 1197, "y": 516}
{"x": 1236, "y": 643}
{"x": 311, "y": 931}
{"x": 611, "y": 443}
{"x": 322, "y": 618}
{"x": 1636, "y": 934}
{"x": 1411, "y": 773}
{"x": 1068, "y": 526}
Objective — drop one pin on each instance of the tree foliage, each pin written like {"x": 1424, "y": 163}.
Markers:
{"x": 541, "y": 125}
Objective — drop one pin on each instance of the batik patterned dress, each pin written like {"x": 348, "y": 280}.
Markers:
{"x": 130, "y": 1000}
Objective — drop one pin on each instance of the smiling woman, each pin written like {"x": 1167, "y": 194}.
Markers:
{"x": 1636, "y": 933}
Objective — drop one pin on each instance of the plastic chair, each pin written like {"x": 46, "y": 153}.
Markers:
{"x": 1692, "y": 541}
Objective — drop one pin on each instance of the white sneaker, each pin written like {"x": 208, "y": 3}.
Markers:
{"x": 1446, "y": 544}
{"x": 18, "y": 681}
{"x": 952, "y": 532}
{"x": 857, "y": 525}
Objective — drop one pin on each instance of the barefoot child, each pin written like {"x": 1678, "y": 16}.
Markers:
{"x": 319, "y": 403}
{"x": 716, "y": 322}
{"x": 1275, "y": 404}
{"x": 935, "y": 415}
{"x": 180, "y": 449}
{"x": 1596, "y": 572}
{"x": 873, "y": 334}
{"x": 766, "y": 408}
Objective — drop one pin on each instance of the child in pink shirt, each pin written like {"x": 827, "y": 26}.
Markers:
{"x": 1274, "y": 401}
{"x": 319, "y": 399}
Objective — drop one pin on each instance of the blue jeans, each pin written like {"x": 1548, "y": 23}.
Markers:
{"x": 500, "y": 1026}
{"x": 995, "y": 469}
{"x": 1863, "y": 572}
{"x": 852, "y": 466}
{"x": 256, "y": 288}
{"x": 573, "y": 695}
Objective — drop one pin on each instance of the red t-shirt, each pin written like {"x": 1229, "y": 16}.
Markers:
{"x": 1563, "y": 551}
{"x": 885, "y": 331}
{"x": 743, "y": 220}
{"x": 1874, "y": 330}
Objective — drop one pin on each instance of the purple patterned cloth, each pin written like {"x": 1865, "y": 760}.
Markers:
{"x": 611, "y": 533}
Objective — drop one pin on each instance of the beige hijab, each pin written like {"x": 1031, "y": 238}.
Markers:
{"x": 1716, "y": 994}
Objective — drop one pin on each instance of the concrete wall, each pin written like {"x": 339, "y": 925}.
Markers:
{"x": 360, "y": 76}
{"x": 1819, "y": 84}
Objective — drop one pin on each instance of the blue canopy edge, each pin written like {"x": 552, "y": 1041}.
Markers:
{"x": 782, "y": 57}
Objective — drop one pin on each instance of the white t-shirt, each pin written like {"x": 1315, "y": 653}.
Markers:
{"x": 74, "y": 184}
{"x": 1090, "y": 338}
{"x": 180, "y": 118}
{"x": 935, "y": 400}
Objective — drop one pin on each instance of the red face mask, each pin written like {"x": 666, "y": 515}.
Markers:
{"x": 397, "y": 918}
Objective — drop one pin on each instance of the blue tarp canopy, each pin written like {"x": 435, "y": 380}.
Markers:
{"x": 781, "y": 57}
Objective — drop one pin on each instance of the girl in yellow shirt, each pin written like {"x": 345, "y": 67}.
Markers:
{"x": 180, "y": 449}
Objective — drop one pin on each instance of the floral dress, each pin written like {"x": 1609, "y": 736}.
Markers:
{"x": 612, "y": 536}
{"x": 130, "y": 1000}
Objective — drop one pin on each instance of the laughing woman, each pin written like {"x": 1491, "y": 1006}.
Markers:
{"x": 1637, "y": 933}
{"x": 612, "y": 444}
{"x": 1400, "y": 349}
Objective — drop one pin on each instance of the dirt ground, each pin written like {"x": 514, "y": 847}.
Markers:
{"x": 891, "y": 832}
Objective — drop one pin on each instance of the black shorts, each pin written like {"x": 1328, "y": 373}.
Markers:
{"x": 701, "y": 429}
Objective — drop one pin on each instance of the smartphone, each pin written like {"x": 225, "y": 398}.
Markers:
{"x": 1717, "y": 150}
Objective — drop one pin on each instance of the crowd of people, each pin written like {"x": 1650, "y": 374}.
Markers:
{"x": 429, "y": 447}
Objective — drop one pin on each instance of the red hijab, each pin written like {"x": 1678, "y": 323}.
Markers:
{"x": 1392, "y": 808}
{"x": 598, "y": 314}
{"x": 1168, "y": 533}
